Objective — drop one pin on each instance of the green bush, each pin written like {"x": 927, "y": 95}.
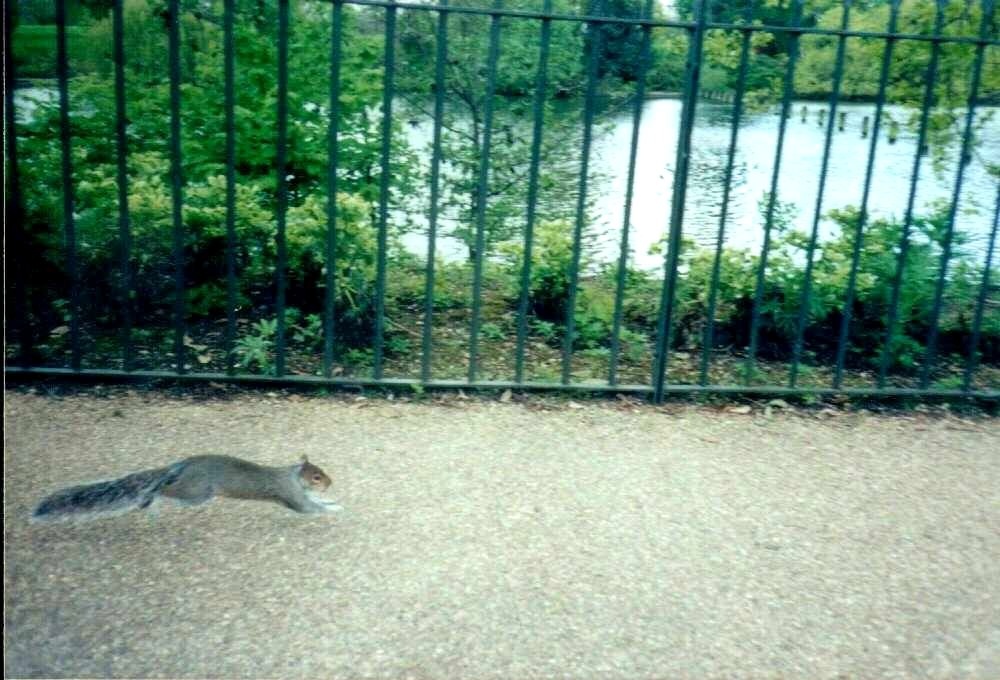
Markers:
{"x": 34, "y": 50}
{"x": 552, "y": 255}
{"x": 149, "y": 197}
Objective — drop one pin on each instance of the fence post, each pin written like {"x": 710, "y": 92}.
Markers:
{"x": 69, "y": 220}
{"x": 176, "y": 181}
{"x": 441, "y": 56}
{"x": 772, "y": 197}
{"x": 709, "y": 337}
{"x": 282, "y": 186}
{"x": 541, "y": 84}
{"x": 388, "y": 91}
{"x": 13, "y": 206}
{"x": 493, "y": 56}
{"x": 121, "y": 153}
{"x": 330, "y": 298}
{"x": 593, "y": 56}
{"x": 623, "y": 248}
{"x": 692, "y": 74}
{"x": 804, "y": 299}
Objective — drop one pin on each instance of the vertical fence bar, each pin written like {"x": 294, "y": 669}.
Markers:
{"x": 282, "y": 186}
{"x": 329, "y": 302}
{"x": 439, "y": 85}
{"x": 388, "y": 90}
{"x": 682, "y": 163}
{"x": 713, "y": 291}
{"x": 594, "y": 31}
{"x": 229, "y": 96}
{"x": 852, "y": 277}
{"x": 13, "y": 206}
{"x": 786, "y": 101}
{"x": 121, "y": 152}
{"x": 541, "y": 84}
{"x": 803, "y": 316}
{"x": 481, "y": 192}
{"x": 970, "y": 115}
{"x": 174, "y": 46}
{"x": 984, "y": 289}
{"x": 69, "y": 220}
{"x": 639, "y": 99}
{"x": 904, "y": 241}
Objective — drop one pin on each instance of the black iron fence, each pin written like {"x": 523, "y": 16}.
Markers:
{"x": 22, "y": 360}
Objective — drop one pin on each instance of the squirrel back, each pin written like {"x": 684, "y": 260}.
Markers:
{"x": 193, "y": 481}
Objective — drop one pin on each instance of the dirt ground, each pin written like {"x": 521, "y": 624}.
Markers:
{"x": 483, "y": 539}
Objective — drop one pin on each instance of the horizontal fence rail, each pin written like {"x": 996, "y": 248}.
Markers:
{"x": 343, "y": 272}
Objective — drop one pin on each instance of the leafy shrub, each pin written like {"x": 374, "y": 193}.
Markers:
{"x": 492, "y": 331}
{"x": 254, "y": 351}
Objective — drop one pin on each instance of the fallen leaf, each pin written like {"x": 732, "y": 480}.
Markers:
{"x": 505, "y": 397}
{"x": 741, "y": 410}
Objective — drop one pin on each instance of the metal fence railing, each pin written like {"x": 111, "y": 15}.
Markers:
{"x": 20, "y": 361}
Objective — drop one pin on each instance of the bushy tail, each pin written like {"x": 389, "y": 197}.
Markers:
{"x": 133, "y": 491}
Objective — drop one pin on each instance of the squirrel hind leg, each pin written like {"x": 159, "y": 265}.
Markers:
{"x": 189, "y": 491}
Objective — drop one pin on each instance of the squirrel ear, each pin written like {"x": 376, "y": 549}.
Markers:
{"x": 304, "y": 459}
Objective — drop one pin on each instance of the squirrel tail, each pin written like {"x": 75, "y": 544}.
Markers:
{"x": 135, "y": 491}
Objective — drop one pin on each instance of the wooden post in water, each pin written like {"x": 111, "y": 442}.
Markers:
{"x": 820, "y": 117}
{"x": 842, "y": 119}
{"x": 805, "y": 112}
{"x": 893, "y": 131}
{"x": 864, "y": 127}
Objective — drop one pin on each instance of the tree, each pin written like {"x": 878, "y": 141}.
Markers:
{"x": 907, "y": 80}
{"x": 465, "y": 112}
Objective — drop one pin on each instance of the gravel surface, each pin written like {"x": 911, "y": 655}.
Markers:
{"x": 502, "y": 540}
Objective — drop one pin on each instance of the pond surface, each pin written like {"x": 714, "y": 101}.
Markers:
{"x": 753, "y": 166}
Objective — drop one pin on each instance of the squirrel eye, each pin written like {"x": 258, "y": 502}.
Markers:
{"x": 315, "y": 478}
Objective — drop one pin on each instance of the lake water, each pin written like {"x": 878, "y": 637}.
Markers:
{"x": 754, "y": 162}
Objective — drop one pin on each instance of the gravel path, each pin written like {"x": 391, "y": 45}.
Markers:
{"x": 489, "y": 540}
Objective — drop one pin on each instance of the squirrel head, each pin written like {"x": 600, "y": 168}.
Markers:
{"x": 313, "y": 477}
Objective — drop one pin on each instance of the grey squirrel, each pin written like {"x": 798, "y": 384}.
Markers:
{"x": 193, "y": 481}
